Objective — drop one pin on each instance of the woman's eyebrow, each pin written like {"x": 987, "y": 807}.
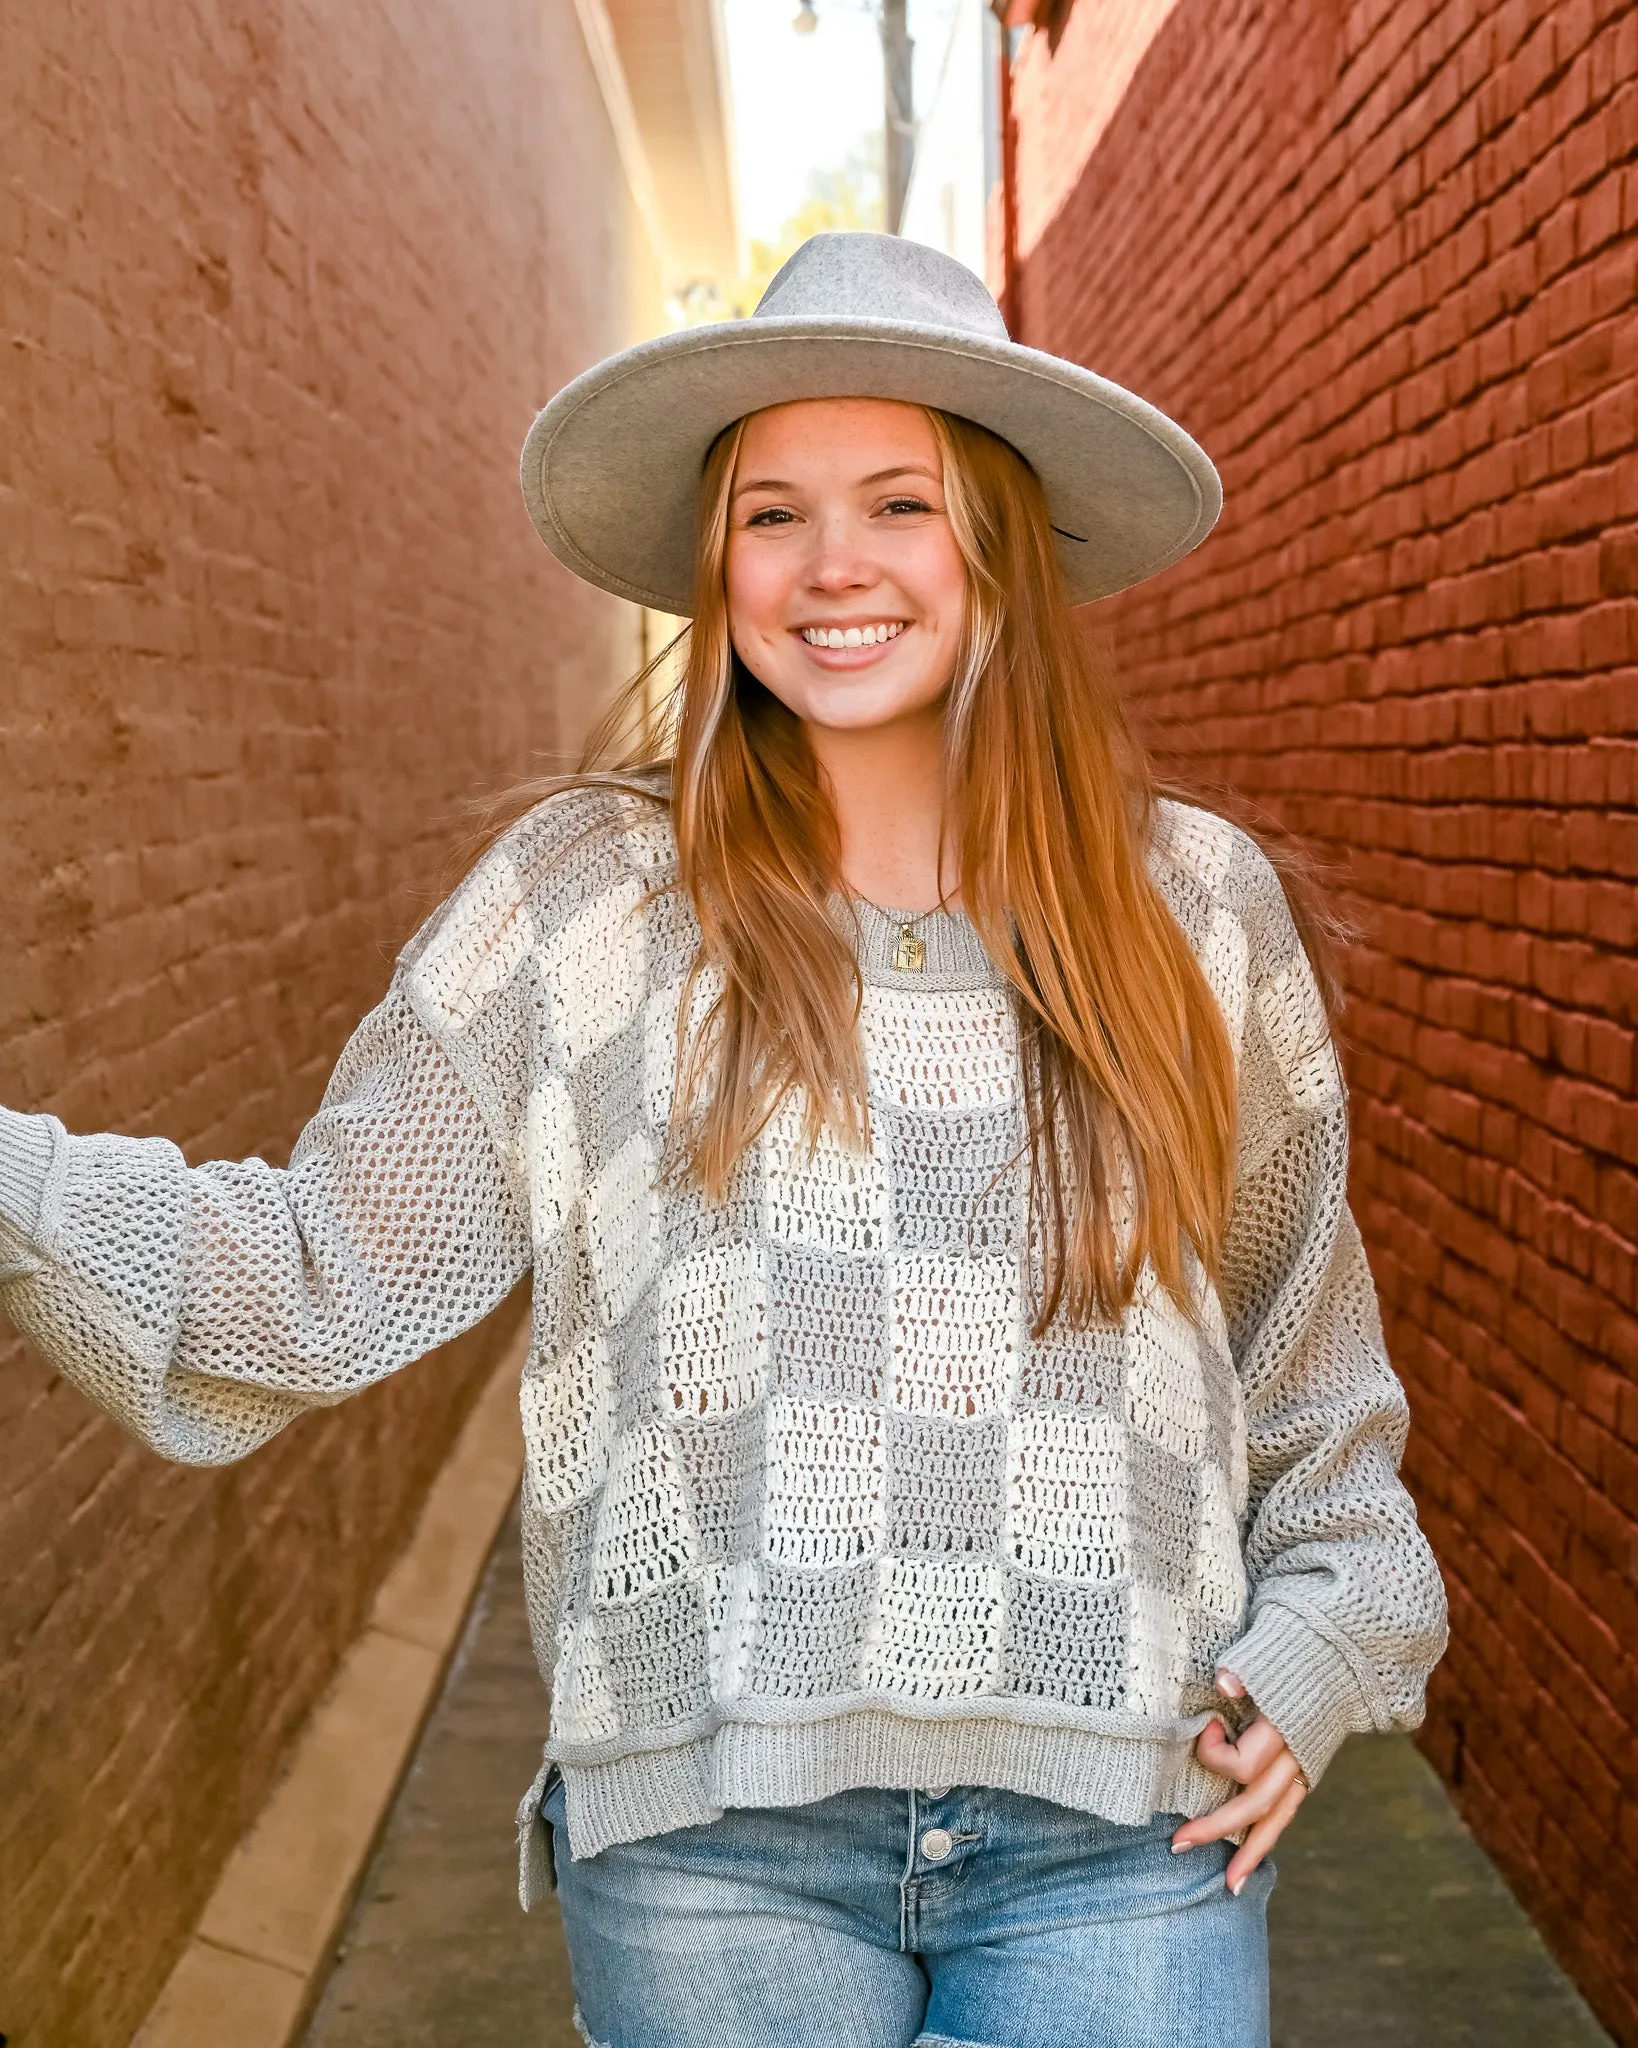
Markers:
{"x": 876, "y": 476}
{"x": 880, "y": 476}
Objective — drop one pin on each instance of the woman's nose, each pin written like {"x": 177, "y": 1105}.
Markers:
{"x": 838, "y": 563}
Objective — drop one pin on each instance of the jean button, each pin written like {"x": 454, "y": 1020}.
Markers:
{"x": 936, "y": 1844}
{"x": 936, "y": 1791}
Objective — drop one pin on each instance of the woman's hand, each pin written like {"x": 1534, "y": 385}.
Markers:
{"x": 1275, "y": 1788}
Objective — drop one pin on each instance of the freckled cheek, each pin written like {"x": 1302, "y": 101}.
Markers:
{"x": 934, "y": 577}
{"x": 759, "y": 592}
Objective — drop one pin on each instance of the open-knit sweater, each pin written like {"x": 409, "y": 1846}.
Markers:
{"x": 806, "y": 1505}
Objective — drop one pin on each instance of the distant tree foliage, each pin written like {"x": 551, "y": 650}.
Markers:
{"x": 850, "y": 196}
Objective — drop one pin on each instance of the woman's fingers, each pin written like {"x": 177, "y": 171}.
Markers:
{"x": 1259, "y": 1745}
{"x": 1218, "y": 1753}
{"x": 1274, "y": 1788}
{"x": 1261, "y": 1838}
{"x": 1253, "y": 1804}
{"x": 1242, "y": 1811}
{"x": 1255, "y": 1750}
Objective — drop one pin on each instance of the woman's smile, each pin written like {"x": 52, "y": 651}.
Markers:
{"x": 851, "y": 645}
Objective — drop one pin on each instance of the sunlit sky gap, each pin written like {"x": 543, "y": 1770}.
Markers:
{"x": 805, "y": 104}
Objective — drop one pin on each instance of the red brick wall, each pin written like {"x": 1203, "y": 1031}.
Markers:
{"x": 1381, "y": 259}
{"x": 283, "y": 285}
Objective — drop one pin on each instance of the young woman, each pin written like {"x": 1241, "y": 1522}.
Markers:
{"x": 961, "y": 1513}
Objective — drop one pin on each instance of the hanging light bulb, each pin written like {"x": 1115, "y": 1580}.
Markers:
{"x": 806, "y": 21}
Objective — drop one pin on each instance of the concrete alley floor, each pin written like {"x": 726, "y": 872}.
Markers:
{"x": 1388, "y": 1925}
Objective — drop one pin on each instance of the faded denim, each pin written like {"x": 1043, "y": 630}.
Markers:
{"x": 842, "y": 1925}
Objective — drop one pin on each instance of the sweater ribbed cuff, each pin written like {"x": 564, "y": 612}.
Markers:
{"x": 1302, "y": 1683}
{"x": 27, "y": 1146}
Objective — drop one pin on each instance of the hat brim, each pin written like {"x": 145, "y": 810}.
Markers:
{"x": 611, "y": 468}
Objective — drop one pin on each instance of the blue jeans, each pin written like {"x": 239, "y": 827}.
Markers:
{"x": 878, "y": 1919}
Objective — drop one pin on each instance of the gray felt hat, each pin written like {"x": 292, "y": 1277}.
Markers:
{"x": 611, "y": 468}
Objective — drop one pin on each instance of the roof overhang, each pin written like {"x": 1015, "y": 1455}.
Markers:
{"x": 674, "y": 61}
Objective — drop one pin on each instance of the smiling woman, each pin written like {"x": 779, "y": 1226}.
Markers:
{"x": 961, "y": 1460}
{"x": 847, "y": 596}
{"x": 947, "y": 764}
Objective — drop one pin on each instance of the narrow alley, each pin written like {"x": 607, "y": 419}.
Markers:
{"x": 1389, "y": 1926}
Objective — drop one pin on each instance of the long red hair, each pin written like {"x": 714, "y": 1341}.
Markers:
{"x": 1128, "y": 1073}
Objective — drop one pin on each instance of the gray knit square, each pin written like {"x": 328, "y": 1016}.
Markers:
{"x": 946, "y": 1484}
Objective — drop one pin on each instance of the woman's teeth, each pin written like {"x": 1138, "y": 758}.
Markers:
{"x": 851, "y": 636}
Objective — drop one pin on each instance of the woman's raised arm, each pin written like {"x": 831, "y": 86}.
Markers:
{"x": 206, "y": 1306}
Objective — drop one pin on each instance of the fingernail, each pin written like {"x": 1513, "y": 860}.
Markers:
{"x": 1179, "y": 1847}
{"x": 1238, "y": 1888}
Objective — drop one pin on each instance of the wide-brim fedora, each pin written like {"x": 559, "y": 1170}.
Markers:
{"x": 611, "y": 468}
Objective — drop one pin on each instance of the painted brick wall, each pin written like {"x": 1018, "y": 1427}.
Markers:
{"x": 1380, "y": 256}
{"x": 283, "y": 284}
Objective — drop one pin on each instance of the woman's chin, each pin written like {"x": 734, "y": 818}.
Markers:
{"x": 865, "y": 718}
{"x": 859, "y": 704}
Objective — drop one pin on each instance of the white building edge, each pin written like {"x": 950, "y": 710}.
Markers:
{"x": 958, "y": 143}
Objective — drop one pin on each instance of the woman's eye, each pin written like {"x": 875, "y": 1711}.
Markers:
{"x": 907, "y": 505}
{"x": 770, "y": 515}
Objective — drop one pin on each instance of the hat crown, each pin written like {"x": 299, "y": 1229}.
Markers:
{"x": 858, "y": 275}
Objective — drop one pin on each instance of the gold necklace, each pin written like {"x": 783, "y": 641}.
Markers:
{"x": 910, "y": 952}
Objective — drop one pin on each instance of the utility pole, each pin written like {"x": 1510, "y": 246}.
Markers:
{"x": 898, "y": 113}
{"x": 898, "y": 100}
{"x": 1008, "y": 294}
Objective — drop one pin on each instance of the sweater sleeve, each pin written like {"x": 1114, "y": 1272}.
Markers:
{"x": 1347, "y": 1609}
{"x": 205, "y": 1307}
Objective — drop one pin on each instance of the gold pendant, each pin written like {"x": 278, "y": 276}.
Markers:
{"x": 910, "y": 954}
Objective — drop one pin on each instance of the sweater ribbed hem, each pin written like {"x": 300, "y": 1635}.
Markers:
{"x": 1302, "y": 1683}
{"x": 1120, "y": 1778}
{"x": 27, "y": 1146}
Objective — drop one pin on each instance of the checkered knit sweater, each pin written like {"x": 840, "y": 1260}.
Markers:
{"x": 806, "y": 1506}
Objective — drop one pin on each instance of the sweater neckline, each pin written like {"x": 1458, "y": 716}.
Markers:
{"x": 954, "y": 959}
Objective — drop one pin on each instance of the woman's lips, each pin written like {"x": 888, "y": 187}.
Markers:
{"x": 845, "y": 657}
{"x": 860, "y": 633}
